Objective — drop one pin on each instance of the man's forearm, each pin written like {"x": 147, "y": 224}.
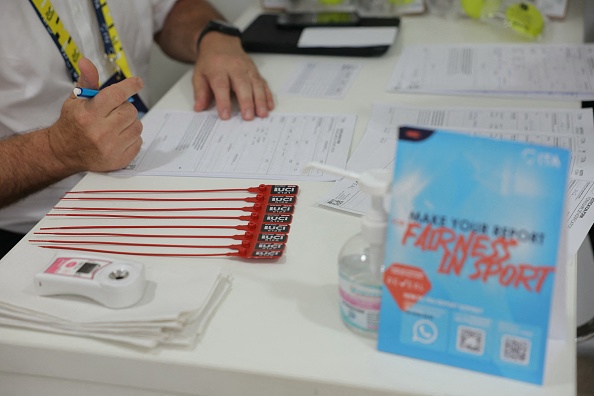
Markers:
{"x": 182, "y": 27}
{"x": 27, "y": 165}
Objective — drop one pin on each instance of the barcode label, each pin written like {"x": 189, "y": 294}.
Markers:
{"x": 470, "y": 340}
{"x": 515, "y": 349}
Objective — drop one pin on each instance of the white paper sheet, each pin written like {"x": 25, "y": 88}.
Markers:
{"x": 336, "y": 37}
{"x": 555, "y": 71}
{"x": 183, "y": 143}
{"x": 329, "y": 80}
{"x": 572, "y": 129}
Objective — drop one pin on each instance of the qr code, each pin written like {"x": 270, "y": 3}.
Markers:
{"x": 470, "y": 340}
{"x": 515, "y": 349}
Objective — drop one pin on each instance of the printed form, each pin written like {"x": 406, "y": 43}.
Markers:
{"x": 552, "y": 71}
{"x": 185, "y": 143}
{"x": 329, "y": 80}
{"x": 572, "y": 129}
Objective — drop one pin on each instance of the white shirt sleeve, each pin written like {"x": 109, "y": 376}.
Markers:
{"x": 161, "y": 9}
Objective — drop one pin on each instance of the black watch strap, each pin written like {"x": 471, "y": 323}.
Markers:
{"x": 221, "y": 27}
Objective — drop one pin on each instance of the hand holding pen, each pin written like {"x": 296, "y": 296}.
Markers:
{"x": 102, "y": 134}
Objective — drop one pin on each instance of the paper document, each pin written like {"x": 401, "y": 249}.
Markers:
{"x": 572, "y": 129}
{"x": 322, "y": 79}
{"x": 180, "y": 143}
{"x": 554, "y": 71}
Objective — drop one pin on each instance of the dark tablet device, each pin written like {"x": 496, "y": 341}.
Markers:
{"x": 265, "y": 35}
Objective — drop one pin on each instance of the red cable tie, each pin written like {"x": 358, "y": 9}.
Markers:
{"x": 268, "y": 218}
{"x": 271, "y": 199}
{"x": 91, "y": 227}
{"x": 244, "y": 244}
{"x": 82, "y": 249}
{"x": 118, "y": 216}
{"x": 262, "y": 188}
{"x": 256, "y": 207}
{"x": 102, "y": 215}
{"x": 247, "y": 235}
{"x": 243, "y": 253}
{"x": 252, "y": 217}
{"x": 247, "y": 240}
{"x": 267, "y": 230}
{"x": 257, "y": 198}
{"x": 264, "y": 228}
{"x": 90, "y": 208}
{"x": 131, "y": 235}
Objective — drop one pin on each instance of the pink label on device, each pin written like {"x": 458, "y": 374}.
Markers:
{"x": 76, "y": 266}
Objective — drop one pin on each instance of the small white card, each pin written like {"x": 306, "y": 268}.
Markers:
{"x": 335, "y": 37}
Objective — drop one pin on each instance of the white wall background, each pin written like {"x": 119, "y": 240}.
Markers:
{"x": 164, "y": 72}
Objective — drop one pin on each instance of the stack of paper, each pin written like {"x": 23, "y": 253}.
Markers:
{"x": 541, "y": 71}
{"x": 178, "y": 301}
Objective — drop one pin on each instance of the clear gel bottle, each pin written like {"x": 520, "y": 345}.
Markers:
{"x": 359, "y": 286}
{"x": 361, "y": 259}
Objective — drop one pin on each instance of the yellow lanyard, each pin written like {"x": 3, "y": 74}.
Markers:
{"x": 114, "y": 50}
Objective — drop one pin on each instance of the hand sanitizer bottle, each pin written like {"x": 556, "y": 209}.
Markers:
{"x": 361, "y": 259}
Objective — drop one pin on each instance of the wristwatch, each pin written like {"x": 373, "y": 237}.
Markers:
{"x": 216, "y": 25}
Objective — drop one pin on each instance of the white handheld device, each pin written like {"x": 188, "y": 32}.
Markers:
{"x": 115, "y": 284}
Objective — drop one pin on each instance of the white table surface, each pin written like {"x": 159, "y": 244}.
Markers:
{"x": 279, "y": 332}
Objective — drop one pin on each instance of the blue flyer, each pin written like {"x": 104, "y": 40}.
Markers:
{"x": 472, "y": 247}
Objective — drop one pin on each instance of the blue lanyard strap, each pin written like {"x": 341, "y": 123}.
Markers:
{"x": 111, "y": 41}
{"x": 68, "y": 48}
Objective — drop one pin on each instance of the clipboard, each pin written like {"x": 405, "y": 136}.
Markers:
{"x": 263, "y": 35}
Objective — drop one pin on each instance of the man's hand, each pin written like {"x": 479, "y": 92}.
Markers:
{"x": 223, "y": 68}
{"x": 98, "y": 134}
